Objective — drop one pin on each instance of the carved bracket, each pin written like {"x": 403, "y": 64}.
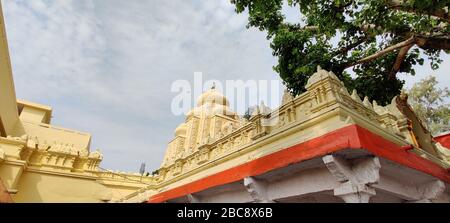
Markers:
{"x": 257, "y": 190}
{"x": 355, "y": 179}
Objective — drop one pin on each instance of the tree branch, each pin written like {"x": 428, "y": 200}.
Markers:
{"x": 398, "y": 5}
{"x": 398, "y": 62}
{"x": 374, "y": 56}
{"x": 347, "y": 48}
{"x": 433, "y": 42}
{"x": 311, "y": 28}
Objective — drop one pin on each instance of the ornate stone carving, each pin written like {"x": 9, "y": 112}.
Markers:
{"x": 178, "y": 168}
{"x": 356, "y": 97}
{"x": 287, "y": 97}
{"x": 367, "y": 103}
{"x": 203, "y": 154}
{"x": 96, "y": 155}
{"x": 263, "y": 109}
{"x": 324, "y": 89}
{"x": 319, "y": 76}
{"x": 355, "y": 179}
{"x": 257, "y": 190}
{"x": 432, "y": 190}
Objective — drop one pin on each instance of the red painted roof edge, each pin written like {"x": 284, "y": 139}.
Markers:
{"x": 350, "y": 137}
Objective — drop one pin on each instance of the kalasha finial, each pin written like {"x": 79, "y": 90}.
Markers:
{"x": 213, "y": 86}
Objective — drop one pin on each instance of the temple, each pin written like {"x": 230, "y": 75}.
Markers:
{"x": 324, "y": 145}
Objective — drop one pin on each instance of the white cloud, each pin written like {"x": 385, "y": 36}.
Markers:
{"x": 38, "y": 5}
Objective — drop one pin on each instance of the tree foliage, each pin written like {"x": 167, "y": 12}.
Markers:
{"x": 375, "y": 39}
{"x": 431, "y": 104}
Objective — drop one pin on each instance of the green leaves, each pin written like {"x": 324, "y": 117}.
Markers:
{"x": 265, "y": 15}
{"x": 426, "y": 5}
{"x": 337, "y": 34}
{"x": 429, "y": 104}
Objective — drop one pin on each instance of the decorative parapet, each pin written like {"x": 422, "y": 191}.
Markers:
{"x": 178, "y": 167}
{"x": 139, "y": 196}
{"x": 58, "y": 156}
{"x": 12, "y": 147}
{"x": 117, "y": 176}
{"x": 61, "y": 139}
{"x": 203, "y": 154}
{"x": 68, "y": 162}
{"x": 324, "y": 89}
{"x": 260, "y": 120}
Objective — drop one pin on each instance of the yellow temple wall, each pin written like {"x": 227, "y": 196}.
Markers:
{"x": 38, "y": 187}
{"x": 8, "y": 107}
{"x": 120, "y": 191}
{"x": 30, "y": 175}
{"x": 34, "y": 113}
{"x": 10, "y": 174}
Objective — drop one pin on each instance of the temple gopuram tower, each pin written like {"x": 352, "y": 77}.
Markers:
{"x": 210, "y": 120}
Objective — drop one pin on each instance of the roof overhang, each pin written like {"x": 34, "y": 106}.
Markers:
{"x": 352, "y": 137}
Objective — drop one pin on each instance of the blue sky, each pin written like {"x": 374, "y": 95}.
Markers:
{"x": 106, "y": 66}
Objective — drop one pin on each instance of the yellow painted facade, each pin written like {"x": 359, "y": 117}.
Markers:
{"x": 44, "y": 163}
